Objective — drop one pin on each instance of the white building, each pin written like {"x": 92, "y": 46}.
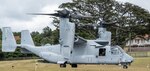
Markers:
{"x": 139, "y": 41}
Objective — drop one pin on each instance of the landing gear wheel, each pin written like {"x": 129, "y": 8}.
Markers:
{"x": 63, "y": 65}
{"x": 125, "y": 66}
{"x": 74, "y": 65}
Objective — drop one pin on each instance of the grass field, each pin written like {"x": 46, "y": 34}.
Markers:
{"x": 139, "y": 64}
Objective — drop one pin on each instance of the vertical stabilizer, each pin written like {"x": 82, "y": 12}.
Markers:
{"x": 8, "y": 40}
{"x": 26, "y": 38}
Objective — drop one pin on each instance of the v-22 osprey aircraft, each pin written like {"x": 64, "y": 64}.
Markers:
{"x": 71, "y": 49}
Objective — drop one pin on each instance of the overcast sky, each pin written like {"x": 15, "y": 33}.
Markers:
{"x": 13, "y": 13}
{"x": 142, "y": 3}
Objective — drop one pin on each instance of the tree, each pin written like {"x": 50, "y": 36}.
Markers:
{"x": 46, "y": 37}
{"x": 45, "y": 40}
{"x": 36, "y": 36}
{"x": 125, "y": 16}
{"x": 46, "y": 32}
{"x": 55, "y": 36}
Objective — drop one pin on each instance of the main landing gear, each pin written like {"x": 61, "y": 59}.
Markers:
{"x": 72, "y": 65}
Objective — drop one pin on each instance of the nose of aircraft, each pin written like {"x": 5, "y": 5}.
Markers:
{"x": 129, "y": 58}
{"x": 132, "y": 59}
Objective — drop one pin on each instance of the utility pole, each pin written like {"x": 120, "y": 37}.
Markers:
{"x": 130, "y": 41}
{"x": 117, "y": 36}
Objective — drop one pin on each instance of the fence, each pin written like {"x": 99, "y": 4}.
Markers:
{"x": 139, "y": 54}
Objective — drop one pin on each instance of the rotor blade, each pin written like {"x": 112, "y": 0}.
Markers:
{"x": 80, "y": 16}
{"x": 54, "y": 14}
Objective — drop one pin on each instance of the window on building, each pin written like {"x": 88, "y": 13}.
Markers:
{"x": 135, "y": 40}
{"x": 138, "y": 41}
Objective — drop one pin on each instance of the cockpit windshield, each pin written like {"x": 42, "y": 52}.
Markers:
{"x": 115, "y": 50}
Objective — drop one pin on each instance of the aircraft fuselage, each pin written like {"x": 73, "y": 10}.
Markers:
{"x": 83, "y": 54}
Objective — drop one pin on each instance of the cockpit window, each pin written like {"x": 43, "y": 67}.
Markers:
{"x": 114, "y": 51}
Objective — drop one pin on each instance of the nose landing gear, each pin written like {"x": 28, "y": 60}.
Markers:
{"x": 125, "y": 66}
{"x": 74, "y": 65}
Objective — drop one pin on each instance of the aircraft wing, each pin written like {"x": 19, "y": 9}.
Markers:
{"x": 79, "y": 40}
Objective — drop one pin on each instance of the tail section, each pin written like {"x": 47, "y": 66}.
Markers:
{"x": 8, "y": 40}
{"x": 9, "y": 43}
{"x": 26, "y": 38}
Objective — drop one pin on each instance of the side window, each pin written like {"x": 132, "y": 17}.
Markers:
{"x": 114, "y": 51}
{"x": 102, "y": 52}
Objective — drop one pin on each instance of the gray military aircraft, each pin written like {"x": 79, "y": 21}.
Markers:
{"x": 72, "y": 49}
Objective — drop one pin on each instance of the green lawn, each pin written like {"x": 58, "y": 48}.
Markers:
{"x": 139, "y": 64}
